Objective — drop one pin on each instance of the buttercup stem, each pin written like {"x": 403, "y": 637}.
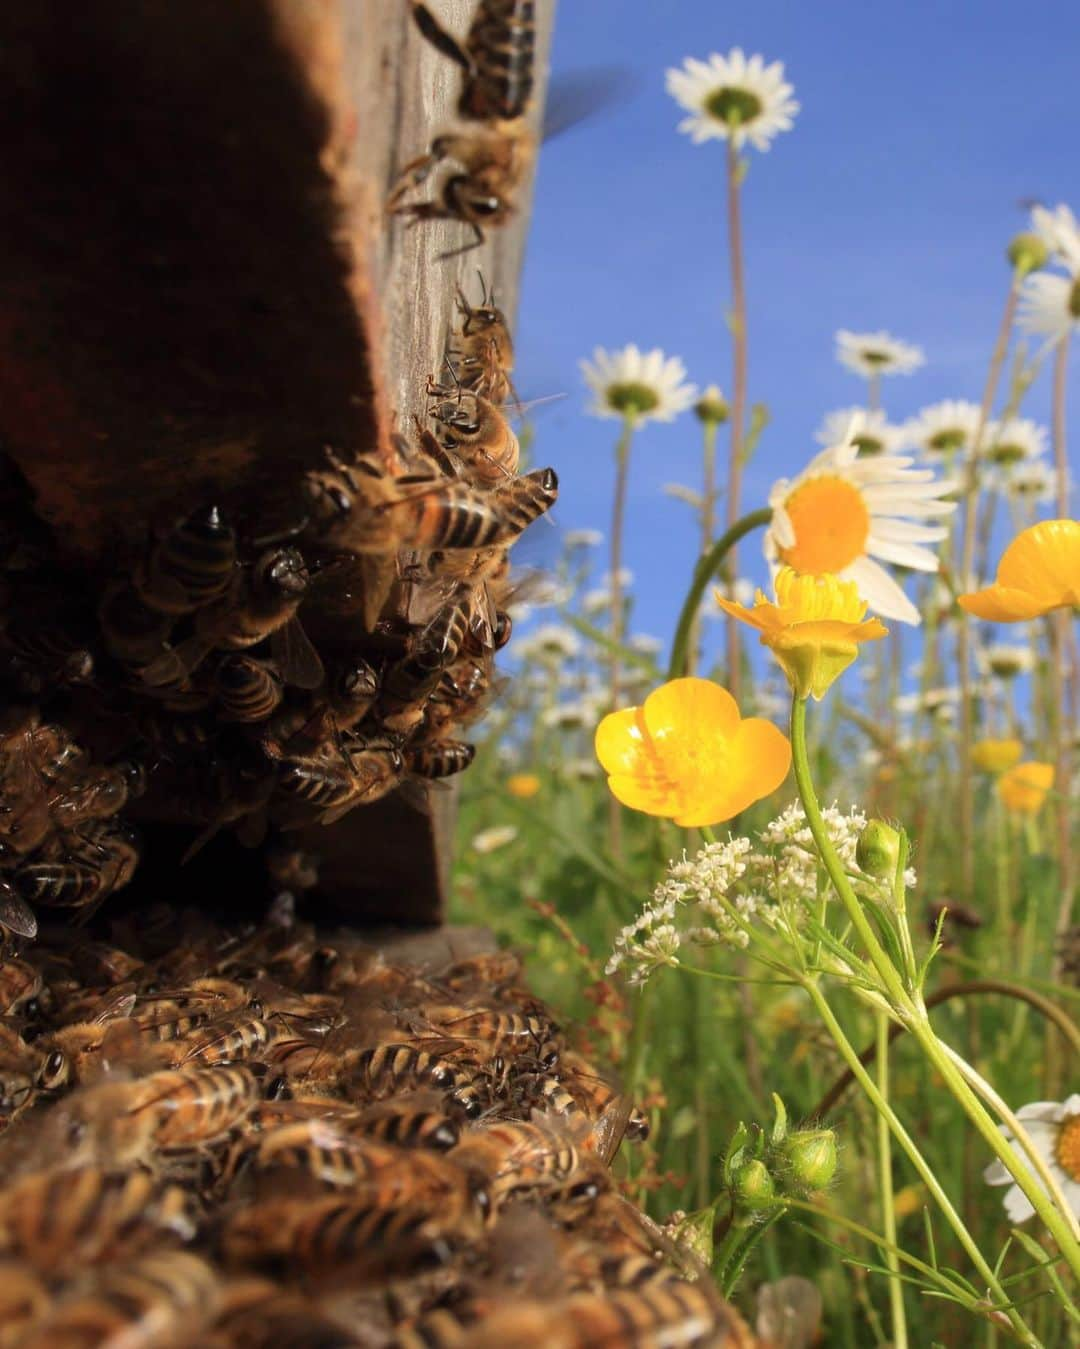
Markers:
{"x": 738, "y": 397}
{"x": 1063, "y": 686}
{"x": 704, "y": 571}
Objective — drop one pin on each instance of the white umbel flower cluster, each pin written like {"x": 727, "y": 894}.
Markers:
{"x": 732, "y": 97}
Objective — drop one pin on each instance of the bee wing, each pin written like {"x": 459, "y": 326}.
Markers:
{"x": 607, "y": 1133}
{"x": 299, "y": 662}
{"x": 117, "y": 1006}
{"x": 15, "y": 914}
{"x": 177, "y": 661}
{"x": 579, "y": 95}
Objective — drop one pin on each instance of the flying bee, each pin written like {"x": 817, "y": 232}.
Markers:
{"x": 190, "y": 566}
{"x": 166, "y": 1297}
{"x": 477, "y": 432}
{"x": 20, "y": 983}
{"x": 260, "y": 604}
{"x": 360, "y": 508}
{"x": 74, "y": 1217}
{"x": 440, "y": 759}
{"x": 497, "y": 60}
{"x": 246, "y": 689}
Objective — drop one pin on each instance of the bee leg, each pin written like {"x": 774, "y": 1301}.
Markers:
{"x": 465, "y": 248}
{"x": 439, "y": 38}
{"x": 412, "y": 175}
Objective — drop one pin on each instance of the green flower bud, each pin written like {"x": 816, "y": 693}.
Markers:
{"x": 693, "y": 1232}
{"x": 811, "y": 1157}
{"x": 754, "y": 1187}
{"x": 878, "y": 850}
{"x": 1027, "y": 253}
{"x": 712, "y": 407}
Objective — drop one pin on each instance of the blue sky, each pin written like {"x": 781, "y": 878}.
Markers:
{"x": 888, "y": 206}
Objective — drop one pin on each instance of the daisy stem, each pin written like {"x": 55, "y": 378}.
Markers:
{"x": 918, "y": 1161}
{"x": 885, "y": 1190}
{"x": 738, "y": 396}
{"x": 704, "y": 571}
{"x": 618, "y": 513}
{"x": 708, "y": 524}
{"x": 910, "y": 1010}
{"x": 873, "y": 391}
{"x": 1064, "y": 686}
{"x": 967, "y": 557}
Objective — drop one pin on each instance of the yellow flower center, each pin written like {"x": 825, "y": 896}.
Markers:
{"x": 831, "y": 525}
{"x": 810, "y": 599}
{"x": 1067, "y": 1148}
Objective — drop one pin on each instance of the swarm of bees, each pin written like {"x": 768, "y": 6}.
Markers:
{"x": 223, "y": 680}
{"x": 264, "y": 1137}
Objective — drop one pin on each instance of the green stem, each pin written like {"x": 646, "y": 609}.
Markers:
{"x": 910, "y": 1010}
{"x": 737, "y": 1247}
{"x": 922, "y": 1167}
{"x": 704, "y": 571}
{"x": 885, "y": 1189}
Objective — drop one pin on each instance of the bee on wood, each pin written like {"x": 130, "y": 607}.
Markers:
{"x": 494, "y": 147}
{"x": 189, "y": 566}
{"x": 163, "y": 1298}
{"x": 481, "y": 353}
{"x": 82, "y": 1216}
{"x": 360, "y": 508}
{"x": 477, "y": 432}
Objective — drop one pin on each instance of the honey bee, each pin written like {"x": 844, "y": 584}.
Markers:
{"x": 166, "y": 1297}
{"x": 17, "y": 1064}
{"x": 35, "y": 758}
{"x": 415, "y": 1121}
{"x": 229, "y": 1040}
{"x": 82, "y": 1050}
{"x": 257, "y": 1312}
{"x": 482, "y": 351}
{"x": 90, "y": 865}
{"x": 20, "y": 984}
{"x": 353, "y": 1237}
{"x": 247, "y": 689}
{"x": 595, "y": 1095}
{"x": 98, "y": 794}
{"x": 501, "y": 1031}
{"x": 440, "y": 759}
{"x": 59, "y": 1216}
{"x": 520, "y": 1155}
{"x": 24, "y": 1300}
{"x": 497, "y": 60}
{"x": 342, "y": 775}
{"x": 16, "y": 915}
{"x": 187, "y": 1108}
{"x": 393, "y": 1068}
{"x": 477, "y": 432}
{"x": 190, "y": 566}
{"x": 360, "y": 508}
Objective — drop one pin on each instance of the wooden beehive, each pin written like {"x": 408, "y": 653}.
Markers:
{"x": 199, "y": 289}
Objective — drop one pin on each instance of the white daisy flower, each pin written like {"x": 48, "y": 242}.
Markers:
{"x": 944, "y": 429}
{"x": 1049, "y": 305}
{"x": 877, "y": 353}
{"x": 1054, "y": 1129}
{"x": 1014, "y": 440}
{"x": 1007, "y": 659}
{"x": 566, "y": 716}
{"x": 1032, "y": 480}
{"x": 1060, "y": 232}
{"x": 875, "y": 437}
{"x": 638, "y": 386}
{"x": 843, "y": 511}
{"x": 548, "y": 642}
{"x": 729, "y": 96}
{"x": 645, "y": 644}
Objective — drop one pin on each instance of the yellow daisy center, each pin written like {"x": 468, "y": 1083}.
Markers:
{"x": 831, "y": 525}
{"x": 1067, "y": 1148}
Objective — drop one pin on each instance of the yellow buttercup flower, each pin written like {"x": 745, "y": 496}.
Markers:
{"x": 1039, "y": 571}
{"x": 523, "y": 785}
{"x": 1023, "y": 788}
{"x": 687, "y": 754}
{"x": 996, "y": 756}
{"x": 814, "y": 628}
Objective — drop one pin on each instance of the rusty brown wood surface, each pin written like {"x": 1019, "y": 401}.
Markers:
{"x": 199, "y": 287}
